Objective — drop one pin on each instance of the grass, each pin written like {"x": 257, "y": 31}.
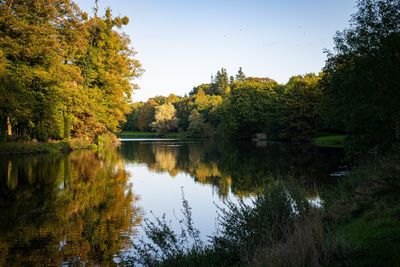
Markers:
{"x": 365, "y": 214}
{"x": 31, "y": 147}
{"x": 129, "y": 134}
{"x": 13, "y": 148}
{"x": 330, "y": 140}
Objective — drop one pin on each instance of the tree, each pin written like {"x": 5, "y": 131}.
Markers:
{"x": 64, "y": 74}
{"x": 197, "y": 126}
{"x": 132, "y": 117}
{"x": 240, "y": 75}
{"x": 39, "y": 40}
{"x": 362, "y": 77}
{"x": 250, "y": 109}
{"x": 220, "y": 84}
{"x": 146, "y": 115}
{"x": 299, "y": 117}
{"x": 108, "y": 68}
{"x": 172, "y": 98}
{"x": 165, "y": 119}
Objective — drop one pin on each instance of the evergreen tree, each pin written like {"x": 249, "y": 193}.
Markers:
{"x": 220, "y": 85}
{"x": 240, "y": 75}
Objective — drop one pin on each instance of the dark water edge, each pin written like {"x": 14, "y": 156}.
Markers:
{"x": 80, "y": 207}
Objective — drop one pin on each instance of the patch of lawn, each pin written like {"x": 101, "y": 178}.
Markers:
{"x": 374, "y": 242}
{"x": 128, "y": 134}
{"x": 336, "y": 141}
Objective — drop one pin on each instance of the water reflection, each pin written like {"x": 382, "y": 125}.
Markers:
{"x": 79, "y": 209}
{"x": 242, "y": 169}
{"x": 58, "y": 209}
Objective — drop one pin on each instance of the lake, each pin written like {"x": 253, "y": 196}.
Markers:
{"x": 87, "y": 207}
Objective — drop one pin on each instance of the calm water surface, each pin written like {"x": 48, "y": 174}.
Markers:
{"x": 86, "y": 207}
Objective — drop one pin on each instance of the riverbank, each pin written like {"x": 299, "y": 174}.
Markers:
{"x": 363, "y": 215}
{"x": 129, "y": 134}
{"x": 358, "y": 225}
{"x": 62, "y": 146}
{"x": 329, "y": 140}
{"x": 14, "y": 148}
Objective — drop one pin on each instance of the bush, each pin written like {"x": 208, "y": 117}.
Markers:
{"x": 278, "y": 228}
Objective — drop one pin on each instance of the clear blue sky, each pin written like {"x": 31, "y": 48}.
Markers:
{"x": 181, "y": 43}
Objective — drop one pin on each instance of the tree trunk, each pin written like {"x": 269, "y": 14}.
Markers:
{"x": 9, "y": 127}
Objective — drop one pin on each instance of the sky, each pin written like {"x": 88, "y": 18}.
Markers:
{"x": 181, "y": 43}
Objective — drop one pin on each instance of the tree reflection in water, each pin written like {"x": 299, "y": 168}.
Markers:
{"x": 58, "y": 209}
{"x": 78, "y": 209}
{"x": 242, "y": 169}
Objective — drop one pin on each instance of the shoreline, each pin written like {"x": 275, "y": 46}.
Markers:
{"x": 29, "y": 147}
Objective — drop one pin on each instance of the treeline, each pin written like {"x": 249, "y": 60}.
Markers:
{"x": 63, "y": 74}
{"x": 236, "y": 107}
{"x": 357, "y": 93}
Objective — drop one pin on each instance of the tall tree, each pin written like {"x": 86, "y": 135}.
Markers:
{"x": 62, "y": 73}
{"x": 39, "y": 39}
{"x": 240, "y": 75}
{"x": 298, "y": 109}
{"x": 362, "y": 76}
{"x": 108, "y": 68}
{"x": 220, "y": 85}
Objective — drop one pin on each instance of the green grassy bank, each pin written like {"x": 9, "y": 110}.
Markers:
{"x": 11, "y": 148}
{"x": 129, "y": 134}
{"x": 33, "y": 147}
{"x": 330, "y": 140}
{"x": 364, "y": 215}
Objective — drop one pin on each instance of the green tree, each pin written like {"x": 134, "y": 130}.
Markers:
{"x": 251, "y": 108}
{"x": 197, "y": 126}
{"x": 131, "y": 118}
{"x": 298, "y": 109}
{"x": 240, "y": 75}
{"x": 39, "y": 40}
{"x": 205, "y": 87}
{"x": 183, "y": 109}
{"x": 362, "y": 76}
{"x": 108, "y": 69}
{"x": 64, "y": 74}
{"x": 220, "y": 84}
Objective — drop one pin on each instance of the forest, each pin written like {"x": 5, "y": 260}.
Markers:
{"x": 63, "y": 74}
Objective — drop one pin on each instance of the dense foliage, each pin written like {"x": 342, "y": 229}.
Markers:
{"x": 62, "y": 74}
{"x": 362, "y": 78}
{"x": 279, "y": 228}
{"x": 241, "y": 108}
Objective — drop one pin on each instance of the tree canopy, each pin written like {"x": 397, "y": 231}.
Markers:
{"x": 62, "y": 74}
{"x": 362, "y": 76}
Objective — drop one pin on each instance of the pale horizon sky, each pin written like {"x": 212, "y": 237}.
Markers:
{"x": 182, "y": 43}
